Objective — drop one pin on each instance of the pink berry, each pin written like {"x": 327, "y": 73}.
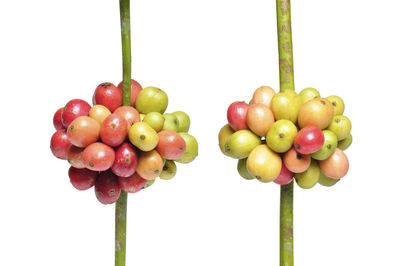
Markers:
{"x": 74, "y": 109}
{"x": 285, "y": 176}
{"x": 59, "y": 144}
{"x": 57, "y": 121}
{"x": 237, "y": 113}
{"x": 310, "y": 139}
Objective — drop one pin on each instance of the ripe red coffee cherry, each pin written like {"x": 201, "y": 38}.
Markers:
{"x": 57, "y": 121}
{"x": 75, "y": 156}
{"x": 114, "y": 130}
{"x": 74, "y": 109}
{"x": 132, "y": 184}
{"x": 108, "y": 95}
{"x": 171, "y": 145}
{"x": 107, "y": 188}
{"x": 285, "y": 176}
{"x": 130, "y": 114}
{"x": 237, "y": 113}
{"x": 59, "y": 144}
{"x": 126, "y": 160}
{"x": 82, "y": 179}
{"x": 135, "y": 89}
{"x": 309, "y": 140}
{"x": 98, "y": 156}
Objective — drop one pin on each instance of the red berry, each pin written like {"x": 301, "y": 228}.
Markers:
{"x": 59, "y": 144}
{"x": 130, "y": 114}
{"x": 74, "y": 109}
{"x": 309, "y": 140}
{"x": 114, "y": 130}
{"x": 108, "y": 95}
{"x": 57, "y": 121}
{"x": 98, "y": 156}
{"x": 126, "y": 160}
{"x": 171, "y": 145}
{"x": 82, "y": 179}
{"x": 285, "y": 176}
{"x": 107, "y": 188}
{"x": 135, "y": 89}
{"x": 132, "y": 184}
{"x": 237, "y": 113}
{"x": 75, "y": 156}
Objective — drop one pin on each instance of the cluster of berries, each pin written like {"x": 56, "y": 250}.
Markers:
{"x": 285, "y": 135}
{"x": 114, "y": 147}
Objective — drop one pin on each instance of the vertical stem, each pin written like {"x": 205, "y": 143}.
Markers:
{"x": 121, "y": 205}
{"x": 124, "y": 8}
{"x": 286, "y": 79}
{"x": 286, "y": 225}
{"x": 120, "y": 229}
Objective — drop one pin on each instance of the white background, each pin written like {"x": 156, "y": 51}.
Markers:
{"x": 205, "y": 55}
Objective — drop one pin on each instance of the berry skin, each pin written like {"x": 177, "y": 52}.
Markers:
{"x": 82, "y": 179}
{"x": 75, "y": 157}
{"x": 107, "y": 188}
{"x": 59, "y": 144}
{"x": 132, "y": 184}
{"x": 237, "y": 115}
{"x": 108, "y": 95}
{"x": 309, "y": 140}
{"x": 57, "y": 121}
{"x": 98, "y": 157}
{"x": 285, "y": 176}
{"x": 126, "y": 160}
{"x": 74, "y": 109}
{"x": 171, "y": 145}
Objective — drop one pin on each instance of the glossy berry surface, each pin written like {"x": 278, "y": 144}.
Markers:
{"x": 82, "y": 179}
{"x": 75, "y": 156}
{"x": 73, "y": 109}
{"x": 237, "y": 113}
{"x": 309, "y": 140}
{"x": 132, "y": 184}
{"x": 107, "y": 188}
{"x": 57, "y": 121}
{"x": 59, "y": 144}
{"x": 108, "y": 95}
{"x": 98, "y": 156}
{"x": 170, "y": 145}
{"x": 126, "y": 160}
{"x": 285, "y": 176}
{"x": 114, "y": 130}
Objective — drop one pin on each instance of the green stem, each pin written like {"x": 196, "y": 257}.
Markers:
{"x": 124, "y": 8}
{"x": 286, "y": 225}
{"x": 120, "y": 229}
{"x": 286, "y": 76}
{"x": 121, "y": 205}
{"x": 286, "y": 79}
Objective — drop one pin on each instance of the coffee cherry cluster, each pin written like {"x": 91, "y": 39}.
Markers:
{"x": 285, "y": 135}
{"x": 114, "y": 147}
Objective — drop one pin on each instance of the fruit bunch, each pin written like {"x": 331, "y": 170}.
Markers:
{"x": 114, "y": 147}
{"x": 285, "y": 135}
